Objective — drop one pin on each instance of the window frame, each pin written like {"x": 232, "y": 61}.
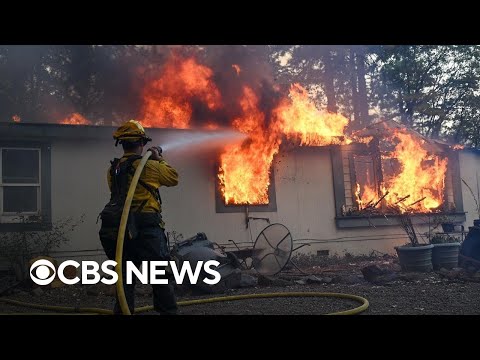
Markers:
{"x": 38, "y": 185}
{"x": 337, "y": 155}
{"x": 221, "y": 207}
{"x": 43, "y": 191}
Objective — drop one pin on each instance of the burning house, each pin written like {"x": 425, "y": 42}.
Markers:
{"x": 295, "y": 164}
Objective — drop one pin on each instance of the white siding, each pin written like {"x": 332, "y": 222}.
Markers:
{"x": 304, "y": 193}
{"x": 470, "y": 173}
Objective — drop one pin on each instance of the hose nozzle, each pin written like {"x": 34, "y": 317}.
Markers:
{"x": 158, "y": 148}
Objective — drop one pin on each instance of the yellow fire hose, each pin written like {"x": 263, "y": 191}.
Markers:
{"x": 73, "y": 310}
{"x": 121, "y": 292}
{"x": 121, "y": 233}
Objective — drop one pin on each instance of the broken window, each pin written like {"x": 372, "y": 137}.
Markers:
{"x": 269, "y": 203}
{"x": 365, "y": 180}
{"x": 373, "y": 181}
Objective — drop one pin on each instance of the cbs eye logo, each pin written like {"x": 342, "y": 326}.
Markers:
{"x": 42, "y": 272}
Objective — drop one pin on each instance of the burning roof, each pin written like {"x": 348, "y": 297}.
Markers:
{"x": 184, "y": 89}
{"x": 385, "y": 128}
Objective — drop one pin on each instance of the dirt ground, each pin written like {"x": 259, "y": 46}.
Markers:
{"x": 431, "y": 293}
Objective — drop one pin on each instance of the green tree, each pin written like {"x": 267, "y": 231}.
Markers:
{"x": 46, "y": 83}
{"x": 24, "y": 89}
{"x": 426, "y": 86}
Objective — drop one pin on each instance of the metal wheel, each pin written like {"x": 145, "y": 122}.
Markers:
{"x": 272, "y": 249}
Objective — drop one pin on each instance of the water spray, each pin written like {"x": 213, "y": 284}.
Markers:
{"x": 201, "y": 139}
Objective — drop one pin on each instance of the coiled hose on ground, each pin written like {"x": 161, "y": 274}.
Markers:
{"x": 121, "y": 292}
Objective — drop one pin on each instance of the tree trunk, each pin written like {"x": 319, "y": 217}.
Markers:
{"x": 436, "y": 129}
{"x": 328, "y": 82}
{"x": 353, "y": 80}
{"x": 362, "y": 89}
{"x": 409, "y": 113}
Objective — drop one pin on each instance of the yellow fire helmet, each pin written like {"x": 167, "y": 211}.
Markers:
{"x": 131, "y": 131}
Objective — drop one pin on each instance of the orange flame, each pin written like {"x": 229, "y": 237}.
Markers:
{"x": 75, "y": 119}
{"x": 167, "y": 100}
{"x": 362, "y": 140}
{"x": 366, "y": 197}
{"x": 16, "y": 118}
{"x": 420, "y": 176}
{"x": 244, "y": 172}
{"x": 236, "y": 68}
{"x": 458, "y": 147}
{"x": 301, "y": 121}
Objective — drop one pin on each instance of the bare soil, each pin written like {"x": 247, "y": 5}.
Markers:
{"x": 431, "y": 293}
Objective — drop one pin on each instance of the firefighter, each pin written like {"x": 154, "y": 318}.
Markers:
{"x": 145, "y": 238}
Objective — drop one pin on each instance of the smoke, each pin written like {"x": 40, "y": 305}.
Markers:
{"x": 236, "y": 67}
{"x": 230, "y": 69}
{"x": 47, "y": 83}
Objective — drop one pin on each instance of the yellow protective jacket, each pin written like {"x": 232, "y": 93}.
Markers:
{"x": 156, "y": 174}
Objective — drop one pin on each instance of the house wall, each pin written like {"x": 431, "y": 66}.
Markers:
{"x": 470, "y": 173}
{"x": 303, "y": 188}
{"x": 79, "y": 170}
{"x": 304, "y": 195}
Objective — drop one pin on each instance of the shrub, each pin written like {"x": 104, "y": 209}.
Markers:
{"x": 18, "y": 247}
